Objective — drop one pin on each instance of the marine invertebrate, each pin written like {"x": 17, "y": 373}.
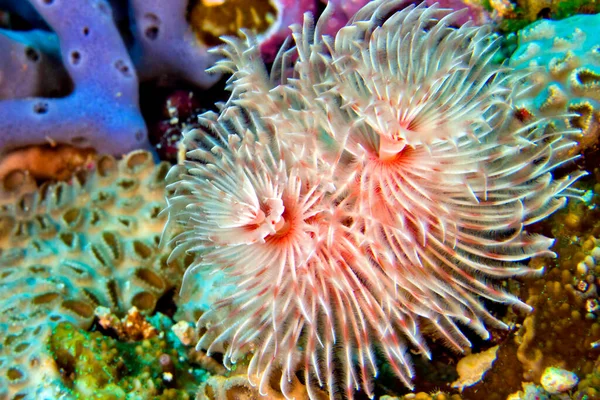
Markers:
{"x": 517, "y": 14}
{"x": 133, "y": 327}
{"x": 165, "y": 43}
{"x": 98, "y": 106}
{"x": 472, "y": 368}
{"x": 68, "y": 247}
{"x": 33, "y": 68}
{"x": 46, "y": 162}
{"x": 563, "y": 299}
{"x": 103, "y": 367}
{"x": 237, "y": 387}
{"x": 566, "y": 72}
{"x": 344, "y": 10}
{"x": 347, "y": 203}
{"x": 178, "y": 111}
{"x": 97, "y": 61}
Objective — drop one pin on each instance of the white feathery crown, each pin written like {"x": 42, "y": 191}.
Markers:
{"x": 366, "y": 186}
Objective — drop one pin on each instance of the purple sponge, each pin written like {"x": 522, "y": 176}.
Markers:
{"x": 102, "y": 111}
{"x": 165, "y": 44}
{"x": 31, "y": 57}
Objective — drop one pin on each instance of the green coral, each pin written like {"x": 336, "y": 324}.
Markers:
{"x": 528, "y": 11}
{"x": 98, "y": 367}
{"x": 566, "y": 9}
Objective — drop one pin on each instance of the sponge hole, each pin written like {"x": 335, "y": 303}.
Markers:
{"x": 123, "y": 68}
{"x": 40, "y": 107}
{"x": 152, "y": 30}
{"x": 79, "y": 140}
{"x": 32, "y": 54}
{"x": 75, "y": 57}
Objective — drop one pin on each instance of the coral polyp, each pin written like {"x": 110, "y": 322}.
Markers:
{"x": 358, "y": 195}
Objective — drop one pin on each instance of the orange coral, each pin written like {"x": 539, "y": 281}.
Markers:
{"x": 47, "y": 162}
{"x": 132, "y": 327}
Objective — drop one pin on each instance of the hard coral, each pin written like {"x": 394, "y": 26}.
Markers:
{"x": 516, "y": 14}
{"x": 68, "y": 247}
{"x": 566, "y": 72}
{"x": 237, "y": 387}
{"x": 100, "y": 367}
{"x": 47, "y": 162}
{"x": 563, "y": 328}
{"x": 370, "y": 193}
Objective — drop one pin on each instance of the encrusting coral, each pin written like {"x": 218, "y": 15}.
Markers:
{"x": 98, "y": 367}
{"x": 45, "y": 163}
{"x": 564, "y": 59}
{"x": 563, "y": 329}
{"x": 68, "y": 247}
{"x": 371, "y": 191}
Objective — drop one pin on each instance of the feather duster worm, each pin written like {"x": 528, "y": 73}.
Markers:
{"x": 369, "y": 183}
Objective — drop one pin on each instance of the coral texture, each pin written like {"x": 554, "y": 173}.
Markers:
{"x": 69, "y": 247}
{"x": 566, "y": 76}
{"x": 101, "y": 367}
{"x": 378, "y": 190}
{"x": 46, "y": 162}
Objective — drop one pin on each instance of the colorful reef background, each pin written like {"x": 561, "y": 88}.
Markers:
{"x": 389, "y": 200}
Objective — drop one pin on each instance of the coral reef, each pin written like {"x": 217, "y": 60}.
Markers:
{"x": 46, "y": 162}
{"x": 237, "y": 386}
{"x": 566, "y": 75}
{"x": 344, "y": 10}
{"x": 132, "y": 327}
{"x": 516, "y": 14}
{"x": 96, "y": 104}
{"x": 366, "y": 199}
{"x": 347, "y": 219}
{"x": 589, "y": 387}
{"x": 178, "y": 112}
{"x": 557, "y": 380}
{"x": 471, "y": 368}
{"x": 93, "y": 100}
{"x": 437, "y": 395}
{"x": 98, "y": 367}
{"x": 68, "y": 247}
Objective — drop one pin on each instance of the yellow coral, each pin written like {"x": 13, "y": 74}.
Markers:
{"x": 212, "y": 19}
